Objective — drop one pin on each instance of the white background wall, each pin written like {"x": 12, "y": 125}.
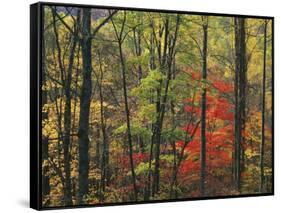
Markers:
{"x": 14, "y": 105}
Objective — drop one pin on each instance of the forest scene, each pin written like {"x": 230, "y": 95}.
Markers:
{"x": 141, "y": 106}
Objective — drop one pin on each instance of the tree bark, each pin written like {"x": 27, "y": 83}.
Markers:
{"x": 152, "y": 66}
{"x": 173, "y": 185}
{"x": 165, "y": 58}
{"x": 105, "y": 145}
{"x": 138, "y": 52}
{"x": 160, "y": 106}
{"x": 66, "y": 82}
{"x": 240, "y": 96}
{"x": 120, "y": 37}
{"x": 67, "y": 118}
{"x": 203, "y": 109}
{"x": 85, "y": 100}
{"x": 128, "y": 121}
{"x": 263, "y": 112}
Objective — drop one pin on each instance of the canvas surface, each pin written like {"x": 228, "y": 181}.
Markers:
{"x": 141, "y": 106}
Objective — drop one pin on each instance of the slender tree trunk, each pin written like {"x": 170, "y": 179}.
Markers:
{"x": 58, "y": 105}
{"x": 123, "y": 71}
{"x": 203, "y": 110}
{"x": 263, "y": 112}
{"x": 161, "y": 104}
{"x": 66, "y": 81}
{"x": 240, "y": 96}
{"x": 138, "y": 52}
{"x": 97, "y": 156}
{"x": 105, "y": 147}
{"x": 165, "y": 58}
{"x": 85, "y": 99}
{"x": 236, "y": 90}
{"x": 74, "y": 154}
{"x": 156, "y": 133}
{"x": 67, "y": 122}
{"x": 173, "y": 185}
{"x": 243, "y": 90}
{"x": 152, "y": 67}
{"x": 120, "y": 37}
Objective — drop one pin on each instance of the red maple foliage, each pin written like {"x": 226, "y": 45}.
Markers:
{"x": 219, "y": 131}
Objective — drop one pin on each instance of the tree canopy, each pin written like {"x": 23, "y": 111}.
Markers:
{"x": 140, "y": 106}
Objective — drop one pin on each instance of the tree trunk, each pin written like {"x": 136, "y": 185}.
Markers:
{"x": 173, "y": 185}
{"x": 165, "y": 58}
{"x": 160, "y": 105}
{"x": 66, "y": 82}
{"x": 137, "y": 44}
{"x": 203, "y": 110}
{"x": 152, "y": 66}
{"x": 105, "y": 147}
{"x": 240, "y": 96}
{"x": 138, "y": 52}
{"x": 263, "y": 112}
{"x": 85, "y": 100}
{"x": 120, "y": 39}
{"x": 128, "y": 121}
{"x": 67, "y": 122}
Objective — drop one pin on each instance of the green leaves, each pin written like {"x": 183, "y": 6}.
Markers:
{"x": 148, "y": 113}
{"x": 173, "y": 134}
{"x": 143, "y": 168}
{"x": 136, "y": 130}
{"x": 167, "y": 158}
{"x": 149, "y": 85}
{"x": 143, "y": 59}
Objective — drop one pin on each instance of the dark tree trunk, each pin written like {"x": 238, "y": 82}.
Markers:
{"x": 120, "y": 37}
{"x": 240, "y": 96}
{"x": 67, "y": 120}
{"x": 173, "y": 185}
{"x": 203, "y": 109}
{"x": 74, "y": 153}
{"x": 138, "y": 52}
{"x": 105, "y": 145}
{"x": 236, "y": 116}
{"x": 165, "y": 61}
{"x": 243, "y": 90}
{"x": 152, "y": 66}
{"x": 128, "y": 121}
{"x": 85, "y": 99}
{"x": 97, "y": 156}
{"x": 263, "y": 112}
{"x": 160, "y": 105}
{"x": 66, "y": 82}
{"x": 165, "y": 58}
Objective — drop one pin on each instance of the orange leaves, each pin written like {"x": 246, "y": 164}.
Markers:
{"x": 196, "y": 76}
{"x": 179, "y": 144}
{"x": 192, "y": 109}
{"x": 219, "y": 129}
{"x": 137, "y": 158}
{"x": 220, "y": 108}
{"x": 222, "y": 86}
{"x": 189, "y": 166}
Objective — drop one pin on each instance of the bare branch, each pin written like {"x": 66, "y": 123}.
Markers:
{"x": 103, "y": 22}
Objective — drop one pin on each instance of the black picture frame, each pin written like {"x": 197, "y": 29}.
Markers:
{"x": 36, "y": 23}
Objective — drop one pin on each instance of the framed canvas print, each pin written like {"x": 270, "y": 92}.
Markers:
{"x": 133, "y": 106}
